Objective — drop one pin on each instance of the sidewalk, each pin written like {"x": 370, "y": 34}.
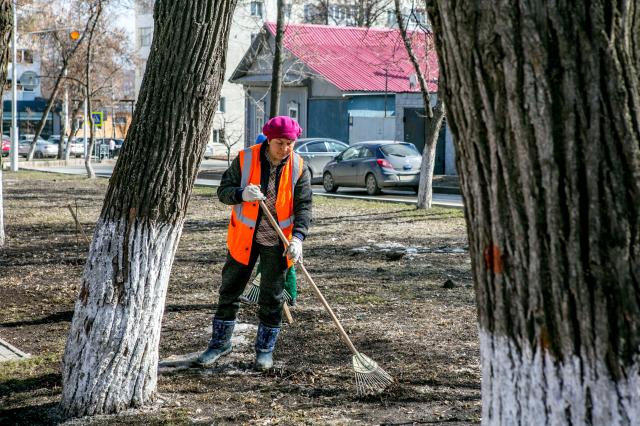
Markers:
{"x": 9, "y": 352}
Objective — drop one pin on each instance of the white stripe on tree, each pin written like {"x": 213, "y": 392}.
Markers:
{"x": 119, "y": 317}
{"x": 527, "y": 386}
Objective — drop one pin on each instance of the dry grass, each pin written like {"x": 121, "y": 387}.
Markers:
{"x": 395, "y": 311}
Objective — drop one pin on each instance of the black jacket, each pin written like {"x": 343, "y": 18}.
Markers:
{"x": 230, "y": 192}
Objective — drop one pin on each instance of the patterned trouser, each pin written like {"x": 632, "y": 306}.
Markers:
{"x": 235, "y": 277}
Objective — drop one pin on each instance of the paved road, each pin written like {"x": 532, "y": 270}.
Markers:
{"x": 211, "y": 171}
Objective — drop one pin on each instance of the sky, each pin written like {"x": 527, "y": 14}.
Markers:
{"x": 126, "y": 21}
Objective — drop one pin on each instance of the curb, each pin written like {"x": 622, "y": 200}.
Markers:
{"x": 9, "y": 352}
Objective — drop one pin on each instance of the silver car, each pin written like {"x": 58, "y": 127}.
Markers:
{"x": 374, "y": 165}
{"x": 317, "y": 152}
{"x": 43, "y": 148}
{"x": 76, "y": 148}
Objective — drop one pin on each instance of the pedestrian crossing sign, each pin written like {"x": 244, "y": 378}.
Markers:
{"x": 97, "y": 118}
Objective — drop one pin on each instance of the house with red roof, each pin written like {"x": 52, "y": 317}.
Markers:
{"x": 347, "y": 83}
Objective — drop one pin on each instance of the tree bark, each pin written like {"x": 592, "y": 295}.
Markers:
{"x": 432, "y": 120}
{"x": 110, "y": 361}
{"x": 544, "y": 103}
{"x": 432, "y": 127}
{"x": 6, "y": 28}
{"x": 276, "y": 73}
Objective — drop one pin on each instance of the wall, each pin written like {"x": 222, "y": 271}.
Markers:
{"x": 414, "y": 100}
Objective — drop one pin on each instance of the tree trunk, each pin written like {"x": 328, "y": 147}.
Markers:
{"x": 544, "y": 103}
{"x": 6, "y": 27}
{"x": 110, "y": 361}
{"x": 431, "y": 133}
{"x": 276, "y": 73}
{"x": 74, "y": 128}
{"x": 45, "y": 113}
{"x": 432, "y": 119}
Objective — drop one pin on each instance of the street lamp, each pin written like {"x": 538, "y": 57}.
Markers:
{"x": 14, "y": 93}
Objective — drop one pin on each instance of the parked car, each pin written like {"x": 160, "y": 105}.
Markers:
{"x": 209, "y": 151}
{"x": 43, "y": 148}
{"x": 374, "y": 165}
{"x": 317, "y": 152}
{"x": 6, "y": 145}
{"x": 76, "y": 148}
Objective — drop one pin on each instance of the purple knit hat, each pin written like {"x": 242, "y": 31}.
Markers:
{"x": 282, "y": 127}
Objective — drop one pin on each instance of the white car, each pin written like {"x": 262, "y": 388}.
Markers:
{"x": 43, "y": 148}
{"x": 76, "y": 148}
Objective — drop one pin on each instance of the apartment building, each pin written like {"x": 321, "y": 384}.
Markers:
{"x": 30, "y": 104}
{"x": 248, "y": 21}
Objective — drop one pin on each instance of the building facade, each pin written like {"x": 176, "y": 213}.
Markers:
{"x": 230, "y": 123}
{"x": 30, "y": 103}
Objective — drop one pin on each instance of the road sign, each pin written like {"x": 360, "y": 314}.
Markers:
{"x": 97, "y": 119}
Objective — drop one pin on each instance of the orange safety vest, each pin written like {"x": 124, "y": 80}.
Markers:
{"x": 244, "y": 215}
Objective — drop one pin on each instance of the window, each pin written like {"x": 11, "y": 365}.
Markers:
{"x": 310, "y": 13}
{"x": 145, "y": 35}
{"x": 400, "y": 150}
{"x": 145, "y": 7}
{"x": 215, "y": 136}
{"x": 316, "y": 147}
{"x": 336, "y": 146}
{"x": 419, "y": 16}
{"x": 256, "y": 8}
{"x": 365, "y": 153}
{"x": 27, "y": 57}
{"x": 222, "y": 107}
{"x": 259, "y": 117}
{"x": 337, "y": 13}
{"x": 391, "y": 18}
{"x": 287, "y": 10}
{"x": 351, "y": 153}
{"x": 292, "y": 110}
{"x": 352, "y": 13}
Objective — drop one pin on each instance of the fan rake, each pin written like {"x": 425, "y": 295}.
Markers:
{"x": 370, "y": 377}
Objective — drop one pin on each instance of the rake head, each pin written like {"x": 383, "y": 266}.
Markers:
{"x": 251, "y": 294}
{"x": 370, "y": 377}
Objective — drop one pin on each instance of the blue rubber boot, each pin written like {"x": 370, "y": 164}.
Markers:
{"x": 265, "y": 344}
{"x": 220, "y": 343}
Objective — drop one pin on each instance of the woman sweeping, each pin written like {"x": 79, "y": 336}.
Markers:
{"x": 271, "y": 172}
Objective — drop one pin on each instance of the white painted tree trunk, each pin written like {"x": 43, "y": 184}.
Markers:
{"x": 119, "y": 318}
{"x": 110, "y": 362}
{"x": 577, "y": 390}
{"x": 544, "y": 102}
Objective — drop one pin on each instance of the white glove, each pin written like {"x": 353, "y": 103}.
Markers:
{"x": 294, "y": 251}
{"x": 252, "y": 192}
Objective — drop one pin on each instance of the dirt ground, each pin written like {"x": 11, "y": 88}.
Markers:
{"x": 381, "y": 266}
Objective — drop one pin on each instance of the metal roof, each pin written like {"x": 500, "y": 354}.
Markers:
{"x": 361, "y": 59}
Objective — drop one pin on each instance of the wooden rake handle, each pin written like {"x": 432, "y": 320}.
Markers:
{"x": 315, "y": 288}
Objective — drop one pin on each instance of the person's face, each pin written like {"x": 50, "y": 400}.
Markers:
{"x": 279, "y": 149}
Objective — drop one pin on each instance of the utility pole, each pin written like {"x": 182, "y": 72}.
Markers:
{"x": 14, "y": 93}
{"x": 84, "y": 126}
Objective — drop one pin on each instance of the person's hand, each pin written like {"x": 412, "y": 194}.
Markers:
{"x": 252, "y": 193}
{"x": 294, "y": 251}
